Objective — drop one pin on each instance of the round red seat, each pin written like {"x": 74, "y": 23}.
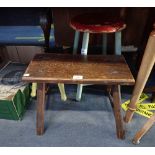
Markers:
{"x": 96, "y": 23}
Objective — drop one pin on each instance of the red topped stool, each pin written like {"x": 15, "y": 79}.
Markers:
{"x": 95, "y": 23}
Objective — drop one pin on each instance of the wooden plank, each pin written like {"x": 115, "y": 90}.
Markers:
{"x": 59, "y": 68}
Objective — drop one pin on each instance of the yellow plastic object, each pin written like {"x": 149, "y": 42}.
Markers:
{"x": 142, "y": 108}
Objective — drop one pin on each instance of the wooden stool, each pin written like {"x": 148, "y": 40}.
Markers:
{"x": 107, "y": 70}
{"x": 143, "y": 75}
{"x": 95, "y": 23}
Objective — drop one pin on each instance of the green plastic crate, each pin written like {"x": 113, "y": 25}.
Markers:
{"x": 15, "y": 107}
{"x": 16, "y": 96}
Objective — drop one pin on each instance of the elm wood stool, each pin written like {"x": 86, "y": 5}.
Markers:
{"x": 143, "y": 75}
{"x": 60, "y": 68}
{"x": 95, "y": 23}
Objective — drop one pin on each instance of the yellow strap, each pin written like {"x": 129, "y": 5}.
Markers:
{"x": 132, "y": 109}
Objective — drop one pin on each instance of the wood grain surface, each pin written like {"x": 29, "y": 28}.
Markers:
{"x": 95, "y": 69}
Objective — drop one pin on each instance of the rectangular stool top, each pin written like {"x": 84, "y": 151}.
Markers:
{"x": 74, "y": 69}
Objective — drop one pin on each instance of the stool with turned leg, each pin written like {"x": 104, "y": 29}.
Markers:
{"x": 143, "y": 75}
{"x": 95, "y": 23}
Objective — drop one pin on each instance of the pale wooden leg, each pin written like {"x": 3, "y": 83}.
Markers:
{"x": 85, "y": 42}
{"x": 84, "y": 51}
{"x": 79, "y": 92}
{"x": 104, "y": 45}
{"x": 40, "y": 108}
{"x": 117, "y": 112}
{"x": 62, "y": 91}
{"x": 118, "y": 46}
{"x": 143, "y": 74}
{"x": 75, "y": 48}
{"x": 144, "y": 130}
{"x": 76, "y": 41}
{"x": 34, "y": 89}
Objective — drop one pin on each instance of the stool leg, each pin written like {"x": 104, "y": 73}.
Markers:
{"x": 62, "y": 91}
{"x": 84, "y": 51}
{"x": 117, "y": 112}
{"x": 104, "y": 44}
{"x": 144, "y": 130}
{"x": 118, "y": 45}
{"x": 75, "y": 47}
{"x": 143, "y": 74}
{"x": 40, "y": 108}
{"x": 85, "y": 42}
{"x": 76, "y": 41}
{"x": 34, "y": 89}
{"x": 79, "y": 92}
